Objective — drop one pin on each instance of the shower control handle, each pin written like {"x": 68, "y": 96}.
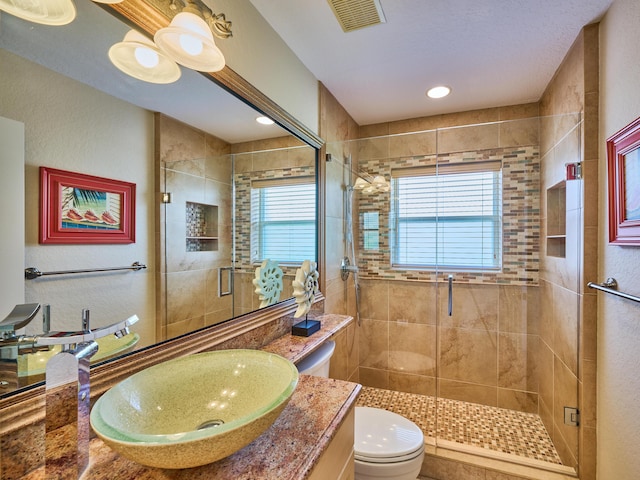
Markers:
{"x": 450, "y": 294}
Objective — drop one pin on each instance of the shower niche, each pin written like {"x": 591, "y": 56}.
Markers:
{"x": 202, "y": 227}
{"x": 557, "y": 220}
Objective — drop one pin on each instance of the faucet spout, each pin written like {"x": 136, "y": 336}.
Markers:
{"x": 67, "y": 406}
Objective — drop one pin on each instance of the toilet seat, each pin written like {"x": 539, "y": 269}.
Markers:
{"x": 385, "y": 437}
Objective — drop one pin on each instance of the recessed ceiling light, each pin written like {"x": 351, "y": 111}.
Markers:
{"x": 264, "y": 120}
{"x": 438, "y": 92}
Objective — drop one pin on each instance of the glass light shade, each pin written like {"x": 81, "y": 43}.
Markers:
{"x": 138, "y": 57}
{"x": 189, "y": 41}
{"x": 360, "y": 184}
{"x": 381, "y": 184}
{"x": 45, "y": 12}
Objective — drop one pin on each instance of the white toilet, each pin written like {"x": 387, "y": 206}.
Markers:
{"x": 387, "y": 446}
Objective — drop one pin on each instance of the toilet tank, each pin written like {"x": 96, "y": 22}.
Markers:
{"x": 317, "y": 362}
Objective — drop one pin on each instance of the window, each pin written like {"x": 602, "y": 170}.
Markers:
{"x": 450, "y": 218}
{"x": 283, "y": 220}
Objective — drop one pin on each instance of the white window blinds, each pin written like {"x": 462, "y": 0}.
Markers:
{"x": 283, "y": 220}
{"x": 450, "y": 216}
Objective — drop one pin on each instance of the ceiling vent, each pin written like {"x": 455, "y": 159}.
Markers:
{"x": 355, "y": 14}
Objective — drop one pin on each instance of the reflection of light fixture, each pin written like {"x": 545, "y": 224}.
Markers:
{"x": 137, "y": 56}
{"x": 438, "y": 92}
{"x": 188, "y": 40}
{"x": 264, "y": 120}
{"x": 361, "y": 184}
{"x": 376, "y": 184}
{"x": 46, "y": 12}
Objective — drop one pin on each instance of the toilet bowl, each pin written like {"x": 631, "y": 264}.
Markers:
{"x": 387, "y": 446}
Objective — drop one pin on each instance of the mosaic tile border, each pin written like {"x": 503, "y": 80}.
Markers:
{"x": 497, "y": 429}
{"x": 521, "y": 216}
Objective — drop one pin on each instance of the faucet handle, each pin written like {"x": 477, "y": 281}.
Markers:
{"x": 85, "y": 320}
{"x": 46, "y": 318}
{"x": 19, "y": 317}
{"x": 74, "y": 338}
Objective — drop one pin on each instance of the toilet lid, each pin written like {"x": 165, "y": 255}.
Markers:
{"x": 380, "y": 434}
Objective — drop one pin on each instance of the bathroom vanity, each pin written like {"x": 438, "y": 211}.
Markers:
{"x": 311, "y": 439}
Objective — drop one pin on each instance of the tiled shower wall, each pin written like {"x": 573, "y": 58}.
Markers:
{"x": 193, "y": 167}
{"x": 485, "y": 351}
{"x": 567, "y": 364}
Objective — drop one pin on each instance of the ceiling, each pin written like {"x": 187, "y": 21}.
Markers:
{"x": 490, "y": 52}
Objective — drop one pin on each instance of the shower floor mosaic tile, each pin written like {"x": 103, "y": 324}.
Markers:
{"x": 497, "y": 429}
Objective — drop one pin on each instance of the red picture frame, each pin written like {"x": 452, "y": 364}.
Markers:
{"x": 84, "y": 209}
{"x": 623, "y": 162}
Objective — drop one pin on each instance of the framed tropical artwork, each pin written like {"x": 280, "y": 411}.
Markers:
{"x": 623, "y": 162}
{"x": 83, "y": 209}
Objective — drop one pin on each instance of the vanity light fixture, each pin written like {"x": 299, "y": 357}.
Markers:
{"x": 438, "y": 92}
{"x": 264, "y": 120}
{"x": 139, "y": 57}
{"x": 45, "y": 12}
{"x": 189, "y": 41}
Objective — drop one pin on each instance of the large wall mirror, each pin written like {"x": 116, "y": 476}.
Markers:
{"x": 215, "y": 189}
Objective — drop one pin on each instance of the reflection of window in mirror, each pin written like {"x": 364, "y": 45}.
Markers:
{"x": 283, "y": 217}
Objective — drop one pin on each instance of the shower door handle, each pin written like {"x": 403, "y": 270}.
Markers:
{"x": 229, "y": 290}
{"x": 450, "y": 294}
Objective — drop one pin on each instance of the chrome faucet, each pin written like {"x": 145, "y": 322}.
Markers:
{"x": 67, "y": 427}
{"x": 12, "y": 344}
{"x": 67, "y": 382}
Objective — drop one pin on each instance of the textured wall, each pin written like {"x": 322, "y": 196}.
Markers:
{"x": 618, "y": 319}
{"x": 74, "y": 127}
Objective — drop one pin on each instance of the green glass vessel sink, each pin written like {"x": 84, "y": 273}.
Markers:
{"x": 109, "y": 346}
{"x": 194, "y": 410}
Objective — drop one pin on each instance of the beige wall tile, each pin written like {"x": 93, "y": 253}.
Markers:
{"x": 474, "y": 306}
{"x": 374, "y": 344}
{"x": 545, "y": 376}
{"x": 517, "y": 361}
{"x": 412, "y": 348}
{"x": 546, "y": 312}
{"x": 522, "y": 132}
{"x": 374, "y": 300}
{"x": 339, "y": 365}
{"x": 186, "y": 293}
{"x": 413, "y": 302}
{"x": 515, "y": 112}
{"x": 518, "y": 309}
{"x": 459, "y": 139}
{"x": 407, "y": 145}
{"x": 373, "y": 377}
{"x": 418, "y": 384}
{"x": 468, "y": 355}
{"x": 179, "y": 141}
{"x": 443, "y": 469}
{"x": 517, "y": 400}
{"x": 565, "y": 386}
{"x": 565, "y": 336}
{"x": 468, "y": 392}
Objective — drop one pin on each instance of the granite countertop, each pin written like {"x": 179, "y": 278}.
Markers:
{"x": 288, "y": 450}
{"x": 296, "y": 348}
